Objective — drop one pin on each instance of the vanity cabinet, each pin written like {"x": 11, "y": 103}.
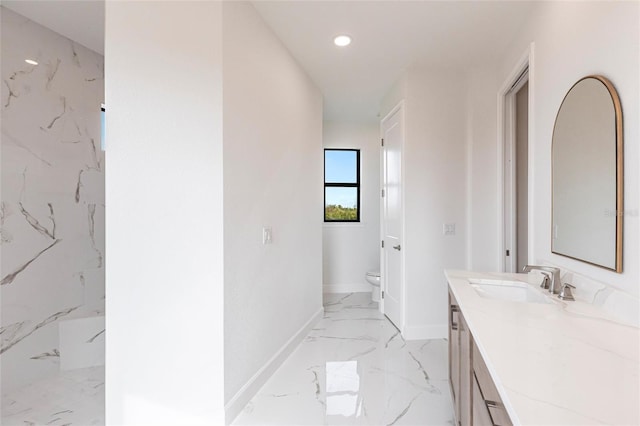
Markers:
{"x": 475, "y": 397}
{"x": 454, "y": 354}
{"x": 486, "y": 400}
{"x": 459, "y": 363}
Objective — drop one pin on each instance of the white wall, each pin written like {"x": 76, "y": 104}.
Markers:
{"x": 482, "y": 154}
{"x": 164, "y": 213}
{"x": 52, "y": 210}
{"x": 349, "y": 250}
{"x": 272, "y": 177}
{"x": 167, "y": 308}
{"x": 434, "y": 190}
{"x": 602, "y": 38}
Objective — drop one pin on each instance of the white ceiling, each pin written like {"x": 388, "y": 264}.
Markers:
{"x": 388, "y": 36}
{"x": 81, "y": 20}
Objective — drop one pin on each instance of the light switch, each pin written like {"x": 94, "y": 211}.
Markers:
{"x": 449, "y": 229}
{"x": 267, "y": 235}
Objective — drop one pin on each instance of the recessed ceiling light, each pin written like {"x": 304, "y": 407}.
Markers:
{"x": 342, "y": 40}
{"x": 31, "y": 62}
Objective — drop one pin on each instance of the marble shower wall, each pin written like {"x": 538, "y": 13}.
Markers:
{"x": 52, "y": 200}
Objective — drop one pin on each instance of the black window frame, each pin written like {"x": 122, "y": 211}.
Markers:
{"x": 341, "y": 185}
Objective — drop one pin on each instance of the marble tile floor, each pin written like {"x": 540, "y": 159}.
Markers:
{"x": 74, "y": 397}
{"x": 354, "y": 368}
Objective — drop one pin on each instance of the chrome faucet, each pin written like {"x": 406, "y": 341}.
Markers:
{"x": 546, "y": 280}
{"x": 554, "y": 286}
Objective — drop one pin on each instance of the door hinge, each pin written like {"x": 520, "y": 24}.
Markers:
{"x": 382, "y": 141}
{"x": 507, "y": 252}
{"x": 383, "y": 193}
{"x": 382, "y": 243}
{"x": 382, "y": 294}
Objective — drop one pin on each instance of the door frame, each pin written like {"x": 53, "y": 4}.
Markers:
{"x": 509, "y": 167}
{"x": 383, "y": 282}
{"x": 506, "y": 145}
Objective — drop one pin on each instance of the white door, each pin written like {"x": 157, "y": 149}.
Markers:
{"x": 392, "y": 216}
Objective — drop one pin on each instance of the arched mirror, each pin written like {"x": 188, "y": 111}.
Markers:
{"x": 587, "y": 199}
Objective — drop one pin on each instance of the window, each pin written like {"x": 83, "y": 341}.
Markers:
{"x": 342, "y": 185}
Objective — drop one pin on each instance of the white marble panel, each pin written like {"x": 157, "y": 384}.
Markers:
{"x": 52, "y": 188}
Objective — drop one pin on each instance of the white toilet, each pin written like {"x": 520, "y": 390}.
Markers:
{"x": 373, "y": 278}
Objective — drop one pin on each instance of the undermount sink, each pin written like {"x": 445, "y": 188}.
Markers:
{"x": 513, "y": 291}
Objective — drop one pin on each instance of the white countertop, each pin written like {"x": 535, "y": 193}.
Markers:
{"x": 565, "y": 363}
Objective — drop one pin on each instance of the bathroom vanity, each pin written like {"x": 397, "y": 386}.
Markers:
{"x": 519, "y": 355}
{"x": 475, "y": 397}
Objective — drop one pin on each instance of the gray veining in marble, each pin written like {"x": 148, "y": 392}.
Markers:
{"x": 355, "y": 368}
{"x": 93, "y": 338}
{"x": 53, "y": 354}
{"x": 35, "y": 224}
{"x": 9, "y": 278}
{"x": 50, "y": 319}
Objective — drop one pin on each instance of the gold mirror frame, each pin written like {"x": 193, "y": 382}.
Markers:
{"x": 619, "y": 172}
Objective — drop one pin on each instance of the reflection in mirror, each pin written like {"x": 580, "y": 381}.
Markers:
{"x": 587, "y": 175}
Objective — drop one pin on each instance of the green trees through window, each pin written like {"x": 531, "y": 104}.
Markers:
{"x": 339, "y": 213}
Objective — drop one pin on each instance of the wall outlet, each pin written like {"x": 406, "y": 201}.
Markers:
{"x": 267, "y": 235}
{"x": 449, "y": 229}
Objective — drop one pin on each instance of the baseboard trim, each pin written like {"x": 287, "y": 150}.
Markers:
{"x": 346, "y": 288}
{"x": 248, "y": 391}
{"x": 425, "y": 332}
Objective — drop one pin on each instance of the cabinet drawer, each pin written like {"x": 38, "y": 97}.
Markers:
{"x": 490, "y": 395}
{"x": 481, "y": 416}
